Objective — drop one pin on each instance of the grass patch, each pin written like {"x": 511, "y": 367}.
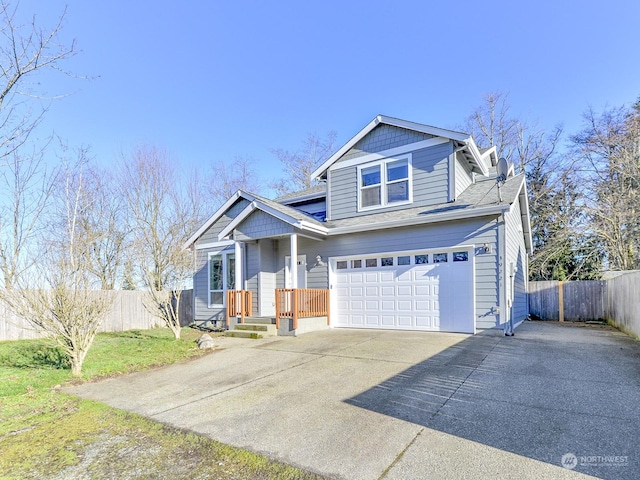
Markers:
{"x": 46, "y": 434}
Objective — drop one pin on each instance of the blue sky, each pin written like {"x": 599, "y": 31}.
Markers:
{"x": 211, "y": 80}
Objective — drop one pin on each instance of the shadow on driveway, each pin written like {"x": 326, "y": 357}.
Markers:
{"x": 554, "y": 393}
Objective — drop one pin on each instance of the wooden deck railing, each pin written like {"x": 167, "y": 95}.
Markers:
{"x": 298, "y": 303}
{"x": 239, "y": 303}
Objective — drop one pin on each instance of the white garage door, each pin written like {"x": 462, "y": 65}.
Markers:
{"x": 429, "y": 290}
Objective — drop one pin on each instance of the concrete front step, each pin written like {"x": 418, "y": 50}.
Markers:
{"x": 252, "y": 330}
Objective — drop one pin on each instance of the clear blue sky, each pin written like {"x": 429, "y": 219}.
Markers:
{"x": 210, "y": 80}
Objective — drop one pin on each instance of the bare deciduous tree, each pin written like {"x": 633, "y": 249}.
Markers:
{"x": 163, "y": 215}
{"x": 608, "y": 151}
{"x": 299, "y": 165}
{"x": 25, "y": 188}
{"x": 25, "y": 50}
{"x": 226, "y": 178}
{"x": 55, "y": 296}
{"x": 561, "y": 249}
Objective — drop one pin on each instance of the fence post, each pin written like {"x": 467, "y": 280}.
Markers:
{"x": 560, "y": 301}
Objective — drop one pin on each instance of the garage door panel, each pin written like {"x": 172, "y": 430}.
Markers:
{"x": 387, "y": 276}
{"x": 425, "y": 296}
{"x": 372, "y": 320}
{"x": 372, "y": 305}
{"x": 388, "y": 320}
{"x": 372, "y": 291}
{"x": 388, "y": 291}
{"x": 404, "y": 290}
{"x": 371, "y": 277}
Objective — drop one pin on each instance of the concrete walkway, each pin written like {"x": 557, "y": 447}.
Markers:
{"x": 359, "y": 404}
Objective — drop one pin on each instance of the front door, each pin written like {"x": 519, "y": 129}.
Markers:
{"x": 302, "y": 272}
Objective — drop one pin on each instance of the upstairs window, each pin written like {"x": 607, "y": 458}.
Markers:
{"x": 384, "y": 183}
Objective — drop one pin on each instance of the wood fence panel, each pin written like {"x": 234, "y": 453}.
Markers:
{"x": 623, "y": 302}
{"x": 544, "y": 300}
{"x": 584, "y": 300}
{"x": 127, "y": 313}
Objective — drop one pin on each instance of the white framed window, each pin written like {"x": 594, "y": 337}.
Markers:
{"x": 222, "y": 276}
{"x": 384, "y": 183}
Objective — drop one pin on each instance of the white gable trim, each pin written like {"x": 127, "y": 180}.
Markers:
{"x": 396, "y": 122}
{"x": 205, "y": 226}
{"x": 392, "y": 152}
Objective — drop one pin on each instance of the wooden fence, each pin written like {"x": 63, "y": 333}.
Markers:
{"x": 127, "y": 313}
{"x": 616, "y": 300}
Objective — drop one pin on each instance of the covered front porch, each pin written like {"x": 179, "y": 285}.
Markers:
{"x": 273, "y": 278}
{"x": 297, "y": 311}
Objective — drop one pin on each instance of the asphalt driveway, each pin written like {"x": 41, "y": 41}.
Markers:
{"x": 359, "y": 404}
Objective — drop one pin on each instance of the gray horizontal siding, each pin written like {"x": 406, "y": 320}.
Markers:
{"x": 251, "y": 271}
{"x": 463, "y": 176}
{"x": 516, "y": 254}
{"x": 384, "y": 137}
{"x": 430, "y": 170}
{"x": 470, "y": 232}
{"x": 202, "y": 312}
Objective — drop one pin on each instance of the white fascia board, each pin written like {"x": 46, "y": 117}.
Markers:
{"x": 392, "y": 152}
{"x": 435, "y": 218}
{"x": 419, "y": 127}
{"x": 475, "y": 151}
{"x": 493, "y": 151}
{"x": 346, "y": 147}
{"x": 236, "y": 221}
{"x": 204, "y": 246}
{"x": 215, "y": 217}
{"x": 526, "y": 220}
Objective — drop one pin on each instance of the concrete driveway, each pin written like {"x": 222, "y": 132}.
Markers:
{"x": 359, "y": 404}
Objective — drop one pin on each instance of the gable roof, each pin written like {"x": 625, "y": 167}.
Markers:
{"x": 464, "y": 143}
{"x": 287, "y": 214}
{"x": 311, "y": 193}
{"x": 478, "y": 200}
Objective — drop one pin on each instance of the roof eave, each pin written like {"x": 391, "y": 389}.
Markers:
{"x": 434, "y": 218}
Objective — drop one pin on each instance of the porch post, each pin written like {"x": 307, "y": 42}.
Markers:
{"x": 294, "y": 260}
{"x": 237, "y": 247}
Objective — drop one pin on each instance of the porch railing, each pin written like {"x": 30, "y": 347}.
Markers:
{"x": 239, "y": 304}
{"x": 298, "y": 303}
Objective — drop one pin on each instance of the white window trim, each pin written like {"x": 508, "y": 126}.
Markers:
{"x": 224, "y": 254}
{"x": 383, "y": 182}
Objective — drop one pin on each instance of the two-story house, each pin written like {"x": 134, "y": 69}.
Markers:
{"x": 409, "y": 229}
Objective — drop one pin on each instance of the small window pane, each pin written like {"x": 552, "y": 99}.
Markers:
{"x": 404, "y": 260}
{"x": 371, "y": 262}
{"x": 216, "y": 298}
{"x": 439, "y": 258}
{"x": 460, "y": 256}
{"x": 421, "y": 259}
{"x": 370, "y": 196}
{"x": 370, "y": 176}
{"x": 341, "y": 265}
{"x": 231, "y": 271}
{"x": 215, "y": 272}
{"x": 386, "y": 261}
{"x": 356, "y": 263}
{"x": 398, "y": 192}
{"x": 397, "y": 170}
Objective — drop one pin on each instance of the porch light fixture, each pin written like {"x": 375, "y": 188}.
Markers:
{"x": 319, "y": 262}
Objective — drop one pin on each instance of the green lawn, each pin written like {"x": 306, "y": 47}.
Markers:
{"x": 47, "y": 434}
